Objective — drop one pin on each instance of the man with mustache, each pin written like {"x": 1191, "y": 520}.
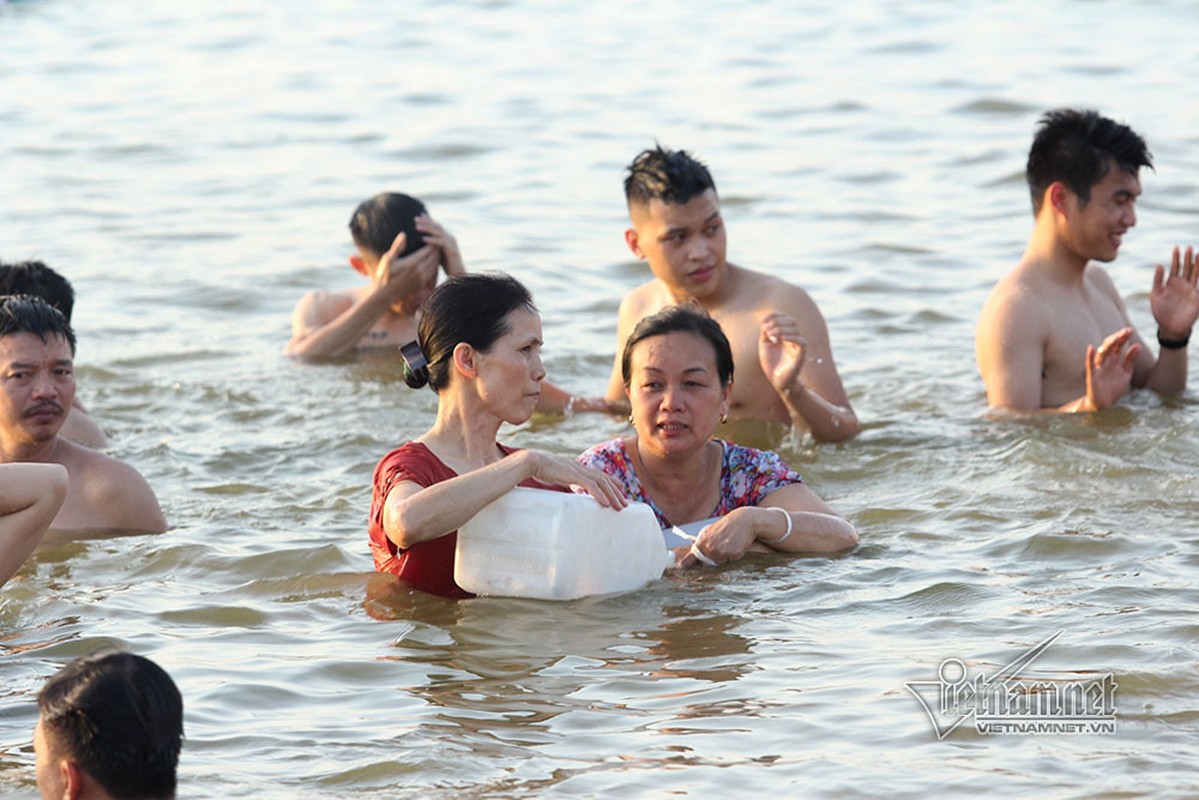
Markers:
{"x": 1054, "y": 335}
{"x": 37, "y": 386}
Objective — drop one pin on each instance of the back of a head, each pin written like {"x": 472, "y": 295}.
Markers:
{"x": 377, "y": 222}
{"x": 688, "y": 317}
{"x": 1077, "y": 147}
{"x": 35, "y": 278}
{"x": 119, "y": 716}
{"x": 471, "y": 308}
{"x": 671, "y": 176}
{"x": 26, "y": 313}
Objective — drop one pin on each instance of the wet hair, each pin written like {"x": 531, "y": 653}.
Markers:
{"x": 34, "y": 277}
{"x": 685, "y": 318}
{"x": 25, "y": 313}
{"x": 1078, "y": 147}
{"x": 672, "y": 176}
{"x": 119, "y": 716}
{"x": 377, "y": 222}
{"x": 471, "y": 308}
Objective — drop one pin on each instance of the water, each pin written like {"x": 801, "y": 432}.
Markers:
{"x": 192, "y": 168}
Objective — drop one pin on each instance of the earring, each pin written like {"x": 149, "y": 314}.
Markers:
{"x": 724, "y": 418}
{"x": 633, "y": 424}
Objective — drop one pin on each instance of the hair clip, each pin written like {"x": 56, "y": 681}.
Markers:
{"x": 414, "y": 357}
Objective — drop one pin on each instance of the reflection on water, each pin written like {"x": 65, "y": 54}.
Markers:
{"x": 191, "y": 169}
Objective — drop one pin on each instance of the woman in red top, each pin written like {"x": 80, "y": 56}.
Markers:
{"x": 480, "y": 351}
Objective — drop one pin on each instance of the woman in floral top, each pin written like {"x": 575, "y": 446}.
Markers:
{"x": 678, "y": 374}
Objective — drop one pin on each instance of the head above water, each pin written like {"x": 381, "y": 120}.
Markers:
{"x": 35, "y": 278}
{"x": 377, "y": 222}
{"x": 25, "y": 313}
{"x": 684, "y": 318}
{"x": 671, "y": 176}
{"x": 119, "y": 718}
{"x": 470, "y": 308}
{"x": 1077, "y": 148}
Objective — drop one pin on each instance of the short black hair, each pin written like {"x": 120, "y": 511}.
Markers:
{"x": 685, "y": 318}
{"x": 1078, "y": 147}
{"x": 34, "y": 277}
{"x": 120, "y": 717}
{"x": 25, "y": 313}
{"x": 378, "y": 221}
{"x": 471, "y": 308}
{"x": 672, "y": 176}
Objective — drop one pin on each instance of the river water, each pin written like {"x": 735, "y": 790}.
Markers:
{"x": 191, "y": 168}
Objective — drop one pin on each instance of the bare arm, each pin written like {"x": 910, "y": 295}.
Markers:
{"x": 121, "y": 499}
{"x": 325, "y": 325}
{"x": 556, "y": 400}
{"x": 797, "y": 359}
{"x": 791, "y": 519}
{"x": 30, "y": 496}
{"x": 414, "y": 514}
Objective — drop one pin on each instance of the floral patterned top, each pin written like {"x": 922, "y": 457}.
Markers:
{"x": 746, "y": 475}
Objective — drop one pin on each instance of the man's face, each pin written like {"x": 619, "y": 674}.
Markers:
{"x": 684, "y": 243}
{"x": 37, "y": 386}
{"x": 1097, "y": 227}
{"x": 49, "y": 774}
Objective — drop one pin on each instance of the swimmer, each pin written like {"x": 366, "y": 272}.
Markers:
{"x": 479, "y": 349}
{"x": 34, "y": 277}
{"x": 1054, "y": 334}
{"x": 37, "y": 385}
{"x": 400, "y": 248}
{"x": 785, "y": 366}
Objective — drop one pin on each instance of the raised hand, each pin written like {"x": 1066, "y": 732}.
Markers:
{"x": 1109, "y": 369}
{"x": 412, "y": 273}
{"x": 1175, "y": 298}
{"x": 436, "y": 235}
{"x": 781, "y": 350}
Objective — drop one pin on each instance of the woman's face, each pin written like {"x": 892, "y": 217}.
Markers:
{"x": 675, "y": 392}
{"x": 510, "y": 372}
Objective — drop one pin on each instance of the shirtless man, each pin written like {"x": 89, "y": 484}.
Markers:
{"x": 399, "y": 249}
{"x": 34, "y": 277}
{"x": 781, "y": 351}
{"x": 37, "y": 384}
{"x": 1054, "y": 334}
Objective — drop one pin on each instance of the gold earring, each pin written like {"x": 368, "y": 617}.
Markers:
{"x": 634, "y": 424}
{"x": 724, "y": 418}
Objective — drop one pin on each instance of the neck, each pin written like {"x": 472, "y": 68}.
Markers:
{"x": 716, "y": 297}
{"x": 44, "y": 452}
{"x": 464, "y": 431}
{"x": 672, "y": 473}
{"x": 1048, "y": 252}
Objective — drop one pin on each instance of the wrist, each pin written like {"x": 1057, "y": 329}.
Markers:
{"x": 1169, "y": 341}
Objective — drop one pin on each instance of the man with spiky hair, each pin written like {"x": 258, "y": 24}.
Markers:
{"x": 37, "y": 385}
{"x": 1054, "y": 334}
{"x": 781, "y": 352}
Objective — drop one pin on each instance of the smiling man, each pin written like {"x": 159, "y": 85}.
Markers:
{"x": 1054, "y": 334}
{"x": 37, "y": 385}
{"x": 784, "y": 362}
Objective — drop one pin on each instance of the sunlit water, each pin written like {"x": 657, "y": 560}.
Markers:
{"x": 191, "y": 168}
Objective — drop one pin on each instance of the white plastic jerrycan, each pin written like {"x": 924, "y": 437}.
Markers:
{"x": 558, "y": 546}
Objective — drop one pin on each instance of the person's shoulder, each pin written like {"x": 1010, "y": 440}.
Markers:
{"x": 764, "y": 287}
{"x": 325, "y": 304}
{"x": 603, "y": 450}
{"x": 1100, "y": 278}
{"x": 638, "y": 299}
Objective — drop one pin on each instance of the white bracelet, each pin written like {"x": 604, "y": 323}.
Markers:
{"x": 786, "y": 514}
{"x": 699, "y": 554}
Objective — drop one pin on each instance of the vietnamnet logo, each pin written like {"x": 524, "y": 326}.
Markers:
{"x": 1009, "y": 703}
